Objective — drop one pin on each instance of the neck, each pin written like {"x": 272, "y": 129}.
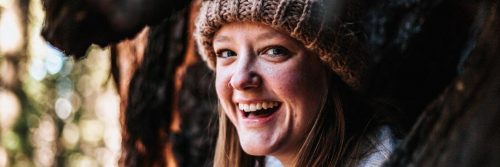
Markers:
{"x": 287, "y": 160}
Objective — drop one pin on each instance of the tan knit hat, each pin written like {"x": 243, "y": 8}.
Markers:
{"x": 303, "y": 20}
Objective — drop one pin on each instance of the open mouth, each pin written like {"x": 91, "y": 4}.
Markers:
{"x": 259, "y": 110}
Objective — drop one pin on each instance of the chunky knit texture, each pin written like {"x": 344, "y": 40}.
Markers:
{"x": 303, "y": 20}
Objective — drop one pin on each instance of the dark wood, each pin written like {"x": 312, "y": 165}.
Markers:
{"x": 460, "y": 128}
{"x": 73, "y": 26}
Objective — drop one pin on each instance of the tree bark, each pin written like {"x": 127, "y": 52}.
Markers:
{"x": 460, "y": 128}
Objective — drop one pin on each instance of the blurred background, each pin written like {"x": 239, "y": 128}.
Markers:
{"x": 54, "y": 110}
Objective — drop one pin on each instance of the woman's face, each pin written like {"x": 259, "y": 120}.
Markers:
{"x": 269, "y": 85}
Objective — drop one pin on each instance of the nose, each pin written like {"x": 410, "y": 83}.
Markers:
{"x": 245, "y": 78}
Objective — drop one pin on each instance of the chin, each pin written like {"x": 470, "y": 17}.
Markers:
{"x": 255, "y": 150}
{"x": 258, "y": 147}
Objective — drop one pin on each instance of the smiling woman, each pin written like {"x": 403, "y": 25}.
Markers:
{"x": 288, "y": 82}
{"x": 276, "y": 87}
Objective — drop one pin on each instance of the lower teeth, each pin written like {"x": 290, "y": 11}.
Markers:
{"x": 260, "y": 112}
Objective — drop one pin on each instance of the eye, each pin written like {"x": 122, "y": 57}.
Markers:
{"x": 276, "y": 51}
{"x": 225, "y": 53}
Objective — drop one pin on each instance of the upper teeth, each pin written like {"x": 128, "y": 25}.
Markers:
{"x": 256, "y": 106}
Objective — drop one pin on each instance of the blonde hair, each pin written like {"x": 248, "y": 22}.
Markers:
{"x": 228, "y": 152}
{"x": 325, "y": 145}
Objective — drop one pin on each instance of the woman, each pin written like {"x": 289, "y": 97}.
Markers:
{"x": 286, "y": 80}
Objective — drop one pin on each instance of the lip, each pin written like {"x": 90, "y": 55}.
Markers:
{"x": 256, "y": 122}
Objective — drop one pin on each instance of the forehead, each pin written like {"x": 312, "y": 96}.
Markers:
{"x": 248, "y": 30}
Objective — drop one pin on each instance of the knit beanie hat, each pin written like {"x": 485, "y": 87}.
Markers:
{"x": 305, "y": 20}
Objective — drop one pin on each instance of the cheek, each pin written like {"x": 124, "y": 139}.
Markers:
{"x": 222, "y": 89}
{"x": 224, "y": 92}
{"x": 219, "y": 85}
{"x": 222, "y": 77}
{"x": 300, "y": 86}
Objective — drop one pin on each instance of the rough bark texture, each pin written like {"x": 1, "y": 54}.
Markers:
{"x": 190, "y": 138}
{"x": 460, "y": 128}
{"x": 437, "y": 62}
{"x": 148, "y": 114}
{"x": 418, "y": 49}
{"x": 74, "y": 25}
{"x": 194, "y": 145}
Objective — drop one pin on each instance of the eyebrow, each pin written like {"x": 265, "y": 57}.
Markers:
{"x": 264, "y": 36}
{"x": 267, "y": 35}
{"x": 222, "y": 38}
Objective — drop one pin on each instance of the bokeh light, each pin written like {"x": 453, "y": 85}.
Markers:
{"x": 9, "y": 109}
{"x": 54, "y": 110}
{"x": 10, "y": 140}
{"x": 37, "y": 69}
{"x": 54, "y": 60}
{"x": 3, "y": 157}
{"x": 8, "y": 72}
{"x": 92, "y": 131}
{"x": 10, "y": 28}
{"x": 44, "y": 156}
{"x": 71, "y": 135}
{"x": 63, "y": 108}
{"x": 79, "y": 160}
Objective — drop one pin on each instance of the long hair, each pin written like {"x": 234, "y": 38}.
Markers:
{"x": 335, "y": 138}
